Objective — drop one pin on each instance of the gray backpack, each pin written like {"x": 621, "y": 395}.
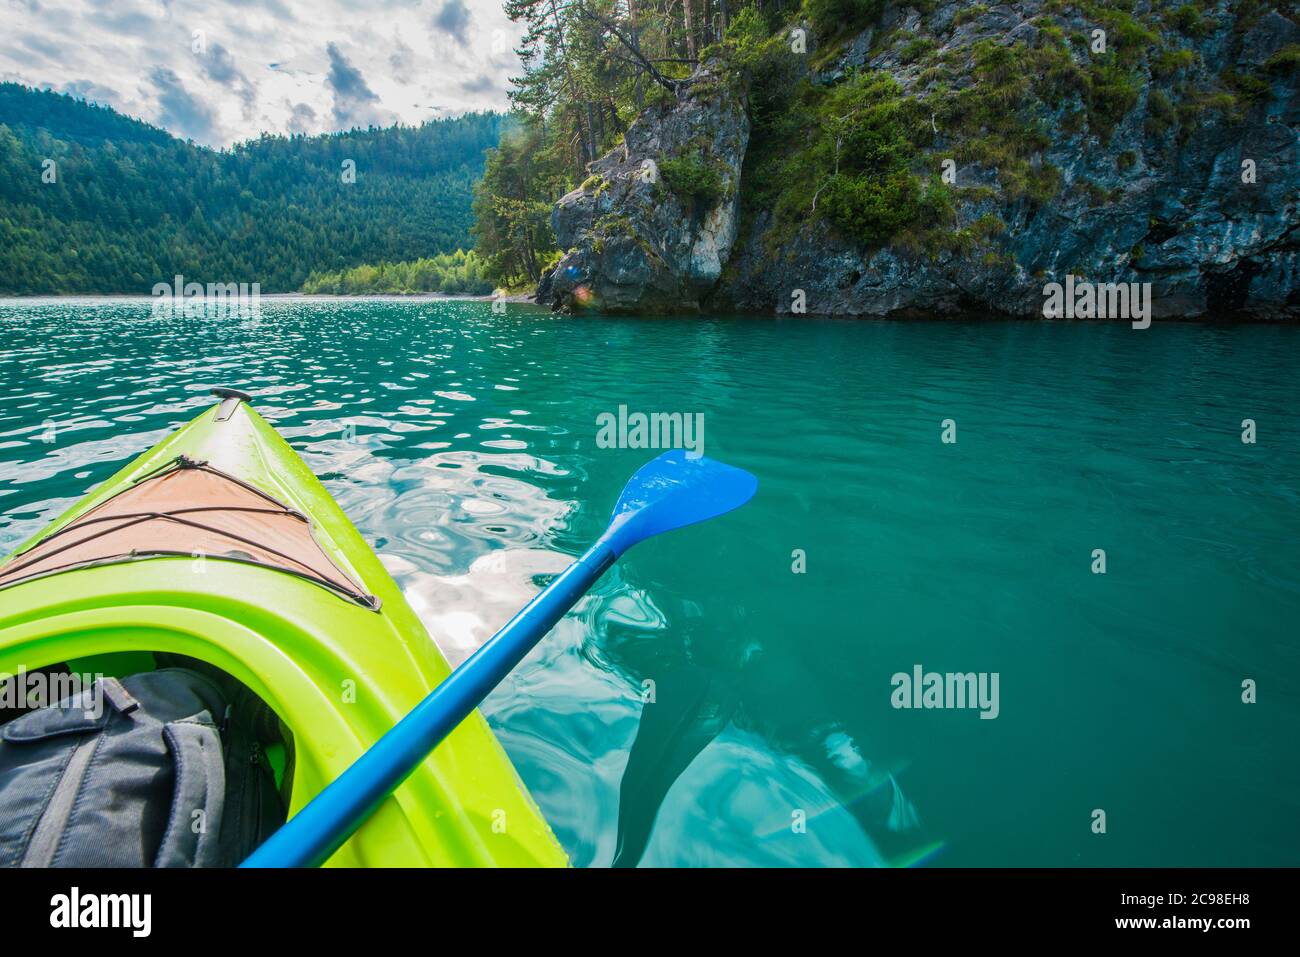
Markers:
{"x": 159, "y": 769}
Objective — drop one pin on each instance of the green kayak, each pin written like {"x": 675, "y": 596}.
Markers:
{"x": 220, "y": 544}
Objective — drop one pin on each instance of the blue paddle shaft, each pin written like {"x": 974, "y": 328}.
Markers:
{"x": 671, "y": 491}
{"x": 320, "y": 828}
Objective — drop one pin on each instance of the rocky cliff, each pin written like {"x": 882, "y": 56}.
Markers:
{"x": 960, "y": 157}
{"x": 655, "y": 222}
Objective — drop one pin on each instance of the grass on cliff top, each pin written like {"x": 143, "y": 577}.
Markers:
{"x": 845, "y": 155}
{"x": 865, "y": 156}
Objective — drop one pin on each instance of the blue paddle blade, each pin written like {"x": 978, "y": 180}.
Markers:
{"x": 672, "y": 491}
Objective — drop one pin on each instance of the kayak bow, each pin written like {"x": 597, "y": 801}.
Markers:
{"x": 220, "y": 544}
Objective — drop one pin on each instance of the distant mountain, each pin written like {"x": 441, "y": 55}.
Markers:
{"x": 130, "y": 205}
{"x": 68, "y": 118}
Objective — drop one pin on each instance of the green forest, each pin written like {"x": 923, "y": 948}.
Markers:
{"x": 92, "y": 201}
{"x": 458, "y": 273}
{"x": 592, "y": 66}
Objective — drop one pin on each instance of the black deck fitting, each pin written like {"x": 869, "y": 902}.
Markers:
{"x": 223, "y": 393}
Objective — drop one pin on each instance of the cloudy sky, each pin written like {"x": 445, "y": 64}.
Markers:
{"x": 219, "y": 71}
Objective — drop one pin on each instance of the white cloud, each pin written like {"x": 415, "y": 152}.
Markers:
{"x": 265, "y": 65}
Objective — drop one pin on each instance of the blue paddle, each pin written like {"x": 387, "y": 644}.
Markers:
{"x": 668, "y": 492}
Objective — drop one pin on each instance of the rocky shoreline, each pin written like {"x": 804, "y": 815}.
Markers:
{"x": 1199, "y": 206}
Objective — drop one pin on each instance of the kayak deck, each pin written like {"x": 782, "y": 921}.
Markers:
{"x": 338, "y": 671}
{"x": 190, "y": 509}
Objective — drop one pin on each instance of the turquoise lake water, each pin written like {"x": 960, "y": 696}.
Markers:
{"x": 463, "y": 444}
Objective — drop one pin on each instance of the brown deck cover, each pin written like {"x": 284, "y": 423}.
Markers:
{"x": 188, "y": 508}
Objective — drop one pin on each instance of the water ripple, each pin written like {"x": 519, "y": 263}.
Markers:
{"x": 462, "y": 445}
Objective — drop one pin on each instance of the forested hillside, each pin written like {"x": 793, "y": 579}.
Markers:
{"x": 458, "y": 273}
{"x": 130, "y": 205}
